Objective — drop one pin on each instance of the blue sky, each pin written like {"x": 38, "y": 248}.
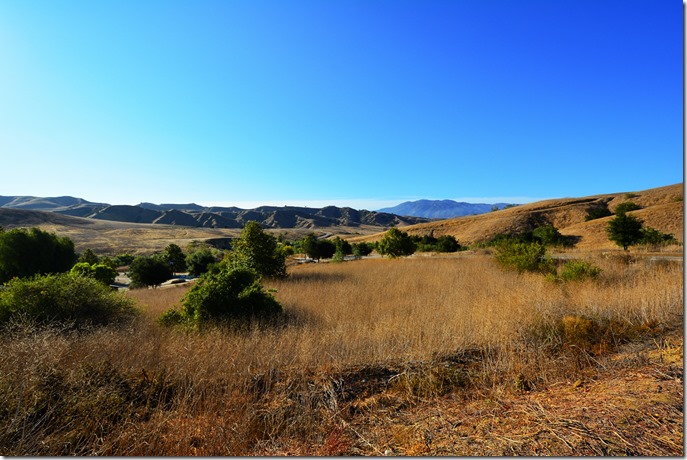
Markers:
{"x": 362, "y": 103}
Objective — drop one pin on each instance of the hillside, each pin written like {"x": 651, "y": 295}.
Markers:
{"x": 662, "y": 208}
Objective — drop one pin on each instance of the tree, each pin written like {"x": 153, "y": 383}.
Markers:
{"x": 199, "y": 262}
{"x": 326, "y": 248}
{"x": 89, "y": 257}
{"x": 396, "y": 244}
{"x": 625, "y": 230}
{"x": 149, "y": 271}
{"x": 175, "y": 258}
{"x": 361, "y": 249}
{"x": 447, "y": 243}
{"x": 101, "y": 272}
{"x": 256, "y": 250}
{"x": 343, "y": 246}
{"x": 309, "y": 246}
{"x": 25, "y": 253}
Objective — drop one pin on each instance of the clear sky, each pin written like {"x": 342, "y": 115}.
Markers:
{"x": 364, "y": 103}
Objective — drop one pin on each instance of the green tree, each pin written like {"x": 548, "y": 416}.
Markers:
{"x": 104, "y": 273}
{"x": 326, "y": 248}
{"x": 175, "y": 258}
{"x": 343, "y": 246}
{"x": 89, "y": 257}
{"x": 625, "y": 230}
{"x": 101, "y": 272}
{"x": 149, "y": 271}
{"x": 447, "y": 243}
{"x": 199, "y": 262}
{"x": 121, "y": 260}
{"x": 396, "y": 243}
{"x": 256, "y": 250}
{"x": 361, "y": 249}
{"x": 309, "y": 246}
{"x": 25, "y": 253}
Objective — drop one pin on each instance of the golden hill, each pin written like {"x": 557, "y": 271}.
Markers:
{"x": 662, "y": 209}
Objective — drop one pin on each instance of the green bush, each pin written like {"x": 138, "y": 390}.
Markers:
{"x": 231, "y": 294}
{"x": 522, "y": 256}
{"x": 63, "y": 297}
{"x": 652, "y": 236}
{"x": 100, "y": 272}
{"x": 577, "y": 270}
{"x": 625, "y": 207}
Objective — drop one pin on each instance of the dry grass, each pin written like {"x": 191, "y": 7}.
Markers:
{"x": 360, "y": 338}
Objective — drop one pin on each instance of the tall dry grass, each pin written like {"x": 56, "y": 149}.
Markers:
{"x": 419, "y": 326}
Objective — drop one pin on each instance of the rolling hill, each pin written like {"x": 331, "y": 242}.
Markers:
{"x": 662, "y": 208}
{"x": 193, "y": 215}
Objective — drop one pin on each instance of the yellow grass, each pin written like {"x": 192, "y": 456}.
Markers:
{"x": 416, "y": 328}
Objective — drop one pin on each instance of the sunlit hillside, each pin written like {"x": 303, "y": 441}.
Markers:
{"x": 662, "y": 209}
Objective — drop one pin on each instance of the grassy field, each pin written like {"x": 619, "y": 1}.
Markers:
{"x": 419, "y": 356}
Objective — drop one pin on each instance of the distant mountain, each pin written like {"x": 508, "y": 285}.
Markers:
{"x": 44, "y": 204}
{"x": 193, "y": 215}
{"x": 441, "y": 209}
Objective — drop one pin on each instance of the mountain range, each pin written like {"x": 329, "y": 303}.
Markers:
{"x": 442, "y": 209}
{"x": 193, "y": 215}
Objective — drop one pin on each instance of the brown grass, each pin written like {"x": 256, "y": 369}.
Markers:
{"x": 360, "y": 338}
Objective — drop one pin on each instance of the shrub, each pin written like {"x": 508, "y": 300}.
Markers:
{"x": 655, "y": 237}
{"x": 549, "y": 235}
{"x": 626, "y": 207}
{"x": 231, "y": 294}
{"x": 577, "y": 270}
{"x": 63, "y": 297}
{"x": 597, "y": 212}
{"x": 524, "y": 256}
